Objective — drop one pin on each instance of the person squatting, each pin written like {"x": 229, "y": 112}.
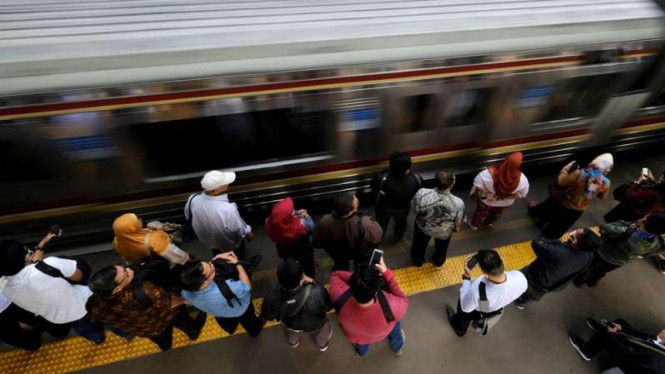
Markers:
{"x": 160, "y": 287}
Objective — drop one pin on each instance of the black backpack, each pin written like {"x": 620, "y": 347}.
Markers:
{"x": 83, "y": 266}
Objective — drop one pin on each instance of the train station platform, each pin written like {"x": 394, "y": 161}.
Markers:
{"x": 532, "y": 341}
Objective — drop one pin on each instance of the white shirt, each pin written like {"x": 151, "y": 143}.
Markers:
{"x": 217, "y": 222}
{"x": 485, "y": 182}
{"x": 55, "y": 299}
{"x": 4, "y": 303}
{"x": 498, "y": 295}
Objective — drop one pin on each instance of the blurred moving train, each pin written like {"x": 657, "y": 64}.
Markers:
{"x": 110, "y": 106}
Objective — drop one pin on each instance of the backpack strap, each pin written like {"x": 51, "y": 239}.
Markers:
{"x": 343, "y": 298}
{"x": 385, "y": 307}
{"x": 226, "y": 291}
{"x": 189, "y": 206}
{"x": 361, "y": 235}
{"x": 49, "y": 270}
{"x": 301, "y": 303}
{"x": 381, "y": 184}
{"x": 483, "y": 305}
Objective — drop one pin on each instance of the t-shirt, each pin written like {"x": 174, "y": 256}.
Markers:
{"x": 498, "y": 295}
{"x": 4, "y": 303}
{"x": 211, "y": 300}
{"x": 55, "y": 299}
{"x": 437, "y": 212}
{"x": 484, "y": 181}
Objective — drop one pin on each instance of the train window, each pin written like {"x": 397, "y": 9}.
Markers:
{"x": 580, "y": 97}
{"x": 216, "y": 142}
{"x": 26, "y": 161}
{"x": 657, "y": 100}
{"x": 417, "y": 113}
{"x": 468, "y": 107}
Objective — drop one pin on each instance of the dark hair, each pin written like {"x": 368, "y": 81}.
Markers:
{"x": 365, "y": 283}
{"x": 103, "y": 282}
{"x": 344, "y": 203}
{"x": 588, "y": 241}
{"x": 444, "y": 179}
{"x": 400, "y": 163}
{"x": 12, "y": 257}
{"x": 655, "y": 223}
{"x": 490, "y": 262}
{"x": 289, "y": 274}
{"x": 191, "y": 276}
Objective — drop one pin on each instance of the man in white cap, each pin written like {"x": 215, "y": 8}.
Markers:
{"x": 216, "y": 221}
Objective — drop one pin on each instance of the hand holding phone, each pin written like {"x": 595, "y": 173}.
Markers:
{"x": 377, "y": 255}
{"x": 472, "y": 262}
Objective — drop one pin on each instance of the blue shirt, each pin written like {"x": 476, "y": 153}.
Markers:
{"x": 211, "y": 300}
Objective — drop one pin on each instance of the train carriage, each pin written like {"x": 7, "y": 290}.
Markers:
{"x": 110, "y": 106}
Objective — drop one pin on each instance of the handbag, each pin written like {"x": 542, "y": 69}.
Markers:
{"x": 188, "y": 233}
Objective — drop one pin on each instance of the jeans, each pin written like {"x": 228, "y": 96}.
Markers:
{"x": 94, "y": 331}
{"x": 419, "y": 246}
{"x": 384, "y": 215}
{"x": 395, "y": 338}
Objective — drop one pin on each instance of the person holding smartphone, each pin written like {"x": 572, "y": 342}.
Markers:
{"x": 633, "y": 351}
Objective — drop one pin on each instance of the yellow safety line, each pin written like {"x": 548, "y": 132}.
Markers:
{"x": 78, "y": 353}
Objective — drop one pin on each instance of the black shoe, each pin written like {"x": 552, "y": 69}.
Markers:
{"x": 595, "y": 325}
{"x": 199, "y": 322}
{"x": 451, "y": 313}
{"x": 578, "y": 343}
{"x": 519, "y": 304}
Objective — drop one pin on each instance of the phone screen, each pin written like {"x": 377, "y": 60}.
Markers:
{"x": 376, "y": 257}
{"x": 472, "y": 262}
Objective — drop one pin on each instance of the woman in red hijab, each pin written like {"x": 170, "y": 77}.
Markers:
{"x": 496, "y": 188}
{"x": 291, "y": 231}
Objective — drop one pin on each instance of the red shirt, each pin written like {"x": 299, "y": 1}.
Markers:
{"x": 367, "y": 325}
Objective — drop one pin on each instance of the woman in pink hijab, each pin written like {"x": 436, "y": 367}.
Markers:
{"x": 496, "y": 188}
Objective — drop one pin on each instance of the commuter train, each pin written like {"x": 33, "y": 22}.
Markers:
{"x": 108, "y": 107}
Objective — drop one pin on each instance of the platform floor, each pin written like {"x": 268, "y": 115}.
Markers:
{"x": 530, "y": 341}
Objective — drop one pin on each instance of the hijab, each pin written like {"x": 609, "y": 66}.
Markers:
{"x": 129, "y": 239}
{"x": 282, "y": 226}
{"x": 506, "y": 176}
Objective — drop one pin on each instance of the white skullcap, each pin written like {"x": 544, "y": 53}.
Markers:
{"x": 215, "y": 179}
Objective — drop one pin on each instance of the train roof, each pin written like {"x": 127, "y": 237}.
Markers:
{"x": 63, "y": 44}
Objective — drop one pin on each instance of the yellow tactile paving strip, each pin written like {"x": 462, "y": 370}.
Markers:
{"x": 78, "y": 353}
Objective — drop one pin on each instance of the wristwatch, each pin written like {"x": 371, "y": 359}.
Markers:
{"x": 466, "y": 277}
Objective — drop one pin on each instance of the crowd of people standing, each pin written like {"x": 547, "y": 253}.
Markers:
{"x": 160, "y": 287}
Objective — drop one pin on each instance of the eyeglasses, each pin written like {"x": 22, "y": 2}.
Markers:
{"x": 211, "y": 276}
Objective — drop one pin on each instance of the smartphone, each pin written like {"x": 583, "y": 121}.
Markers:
{"x": 377, "y": 254}
{"x": 472, "y": 262}
{"x": 55, "y": 230}
{"x": 645, "y": 172}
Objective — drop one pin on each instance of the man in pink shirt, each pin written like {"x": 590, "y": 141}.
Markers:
{"x": 366, "y": 311}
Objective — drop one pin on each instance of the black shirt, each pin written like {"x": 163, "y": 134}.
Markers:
{"x": 279, "y": 304}
{"x": 556, "y": 262}
{"x": 396, "y": 192}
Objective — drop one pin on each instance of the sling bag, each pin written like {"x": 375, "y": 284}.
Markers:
{"x": 383, "y": 301}
{"x": 188, "y": 233}
{"x": 226, "y": 291}
{"x": 299, "y": 306}
{"x": 83, "y": 266}
{"x": 487, "y": 319}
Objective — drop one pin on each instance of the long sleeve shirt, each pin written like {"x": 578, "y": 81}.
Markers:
{"x": 555, "y": 262}
{"x": 217, "y": 222}
{"x": 498, "y": 295}
{"x": 576, "y": 185}
{"x": 366, "y": 325}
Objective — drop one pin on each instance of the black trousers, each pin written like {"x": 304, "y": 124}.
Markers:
{"x": 12, "y": 333}
{"x": 303, "y": 252}
{"x": 625, "y": 355}
{"x": 595, "y": 272}
{"x": 384, "y": 215}
{"x": 553, "y": 219}
{"x": 419, "y": 246}
{"x": 461, "y": 320}
{"x": 249, "y": 321}
{"x": 183, "y": 321}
